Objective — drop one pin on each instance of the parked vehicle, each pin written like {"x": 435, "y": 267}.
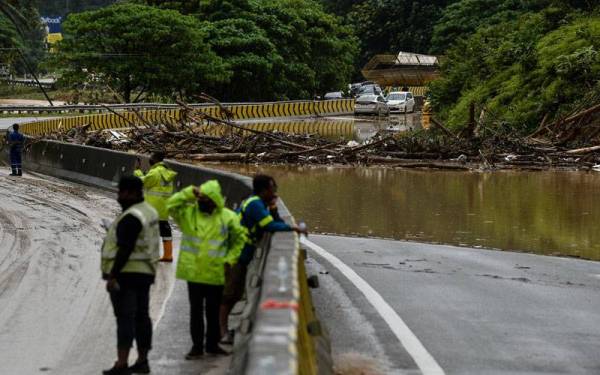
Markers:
{"x": 355, "y": 88}
{"x": 401, "y": 101}
{"x": 333, "y": 95}
{"x": 371, "y": 104}
{"x": 372, "y": 89}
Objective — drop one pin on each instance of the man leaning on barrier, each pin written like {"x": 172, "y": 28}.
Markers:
{"x": 257, "y": 216}
{"x": 212, "y": 237}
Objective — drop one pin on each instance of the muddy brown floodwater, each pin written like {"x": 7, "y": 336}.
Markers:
{"x": 341, "y": 127}
{"x": 552, "y": 213}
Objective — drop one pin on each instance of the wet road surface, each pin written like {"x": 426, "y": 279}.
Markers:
{"x": 475, "y": 311}
{"x": 55, "y": 315}
{"x": 5, "y": 122}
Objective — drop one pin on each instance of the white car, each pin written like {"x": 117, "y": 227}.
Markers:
{"x": 371, "y": 104}
{"x": 401, "y": 101}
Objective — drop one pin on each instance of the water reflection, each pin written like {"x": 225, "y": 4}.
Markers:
{"x": 347, "y": 128}
{"x": 551, "y": 213}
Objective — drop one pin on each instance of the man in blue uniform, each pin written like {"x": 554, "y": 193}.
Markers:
{"x": 258, "y": 214}
{"x": 15, "y": 142}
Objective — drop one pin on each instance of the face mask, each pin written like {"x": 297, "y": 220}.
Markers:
{"x": 205, "y": 207}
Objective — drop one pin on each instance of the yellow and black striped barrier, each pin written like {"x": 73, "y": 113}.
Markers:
{"x": 239, "y": 111}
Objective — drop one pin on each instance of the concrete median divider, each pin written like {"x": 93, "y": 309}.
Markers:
{"x": 170, "y": 114}
{"x": 277, "y": 329}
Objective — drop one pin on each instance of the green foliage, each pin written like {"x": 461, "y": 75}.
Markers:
{"x": 9, "y": 41}
{"x": 129, "y": 46}
{"x": 390, "y": 26}
{"x": 521, "y": 69}
{"x": 64, "y": 7}
{"x": 461, "y": 19}
{"x": 275, "y": 49}
{"x": 318, "y": 52}
{"x": 20, "y": 30}
{"x": 250, "y": 55}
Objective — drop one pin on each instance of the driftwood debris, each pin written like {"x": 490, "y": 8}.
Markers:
{"x": 200, "y": 137}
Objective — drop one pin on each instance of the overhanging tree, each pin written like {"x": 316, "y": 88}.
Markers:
{"x": 136, "y": 47}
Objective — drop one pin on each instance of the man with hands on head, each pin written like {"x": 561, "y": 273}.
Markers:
{"x": 212, "y": 237}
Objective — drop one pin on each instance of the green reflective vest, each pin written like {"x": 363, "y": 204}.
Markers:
{"x": 207, "y": 242}
{"x": 147, "y": 247}
{"x": 254, "y": 228}
{"x": 158, "y": 187}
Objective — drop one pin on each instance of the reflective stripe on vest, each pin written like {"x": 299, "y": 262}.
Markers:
{"x": 158, "y": 193}
{"x": 252, "y": 238}
{"x": 216, "y": 248}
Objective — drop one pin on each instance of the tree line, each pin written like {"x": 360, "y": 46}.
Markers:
{"x": 518, "y": 61}
{"x": 236, "y": 50}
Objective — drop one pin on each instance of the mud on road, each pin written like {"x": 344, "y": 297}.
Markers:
{"x": 55, "y": 316}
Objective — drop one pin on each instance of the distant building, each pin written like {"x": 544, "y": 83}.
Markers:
{"x": 402, "y": 70}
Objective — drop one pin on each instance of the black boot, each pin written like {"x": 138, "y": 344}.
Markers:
{"x": 140, "y": 368}
{"x": 194, "y": 354}
{"x": 117, "y": 371}
{"x": 13, "y": 172}
{"x": 19, "y": 172}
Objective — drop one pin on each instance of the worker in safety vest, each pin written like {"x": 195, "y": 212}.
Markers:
{"x": 212, "y": 236}
{"x": 255, "y": 214}
{"x": 159, "y": 184}
{"x": 129, "y": 255}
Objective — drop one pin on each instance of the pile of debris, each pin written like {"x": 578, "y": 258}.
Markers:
{"x": 198, "y": 136}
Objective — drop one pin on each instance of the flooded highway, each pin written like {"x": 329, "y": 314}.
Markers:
{"x": 348, "y": 128}
{"x": 551, "y": 213}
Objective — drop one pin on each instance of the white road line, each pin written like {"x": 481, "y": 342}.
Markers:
{"x": 425, "y": 361}
{"x": 163, "y": 307}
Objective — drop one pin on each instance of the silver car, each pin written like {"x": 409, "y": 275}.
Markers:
{"x": 371, "y": 104}
{"x": 401, "y": 101}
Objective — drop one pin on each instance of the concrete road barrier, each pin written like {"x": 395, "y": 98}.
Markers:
{"x": 278, "y": 331}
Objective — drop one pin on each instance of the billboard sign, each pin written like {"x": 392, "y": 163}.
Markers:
{"x": 52, "y": 24}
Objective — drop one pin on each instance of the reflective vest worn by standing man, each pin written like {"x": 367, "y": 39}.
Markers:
{"x": 211, "y": 237}
{"x": 159, "y": 185}
{"x": 15, "y": 141}
{"x": 129, "y": 255}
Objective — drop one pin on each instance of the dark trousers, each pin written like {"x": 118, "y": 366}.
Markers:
{"x": 15, "y": 161}
{"x": 205, "y": 300}
{"x": 131, "y": 307}
{"x": 165, "y": 230}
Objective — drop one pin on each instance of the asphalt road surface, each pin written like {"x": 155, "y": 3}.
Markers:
{"x": 473, "y": 311}
{"x": 396, "y": 307}
{"x": 55, "y": 315}
{"x": 5, "y": 122}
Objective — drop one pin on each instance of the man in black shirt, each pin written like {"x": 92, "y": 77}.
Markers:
{"x": 129, "y": 255}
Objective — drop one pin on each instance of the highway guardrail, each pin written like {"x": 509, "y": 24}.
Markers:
{"x": 278, "y": 331}
{"x": 245, "y": 111}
